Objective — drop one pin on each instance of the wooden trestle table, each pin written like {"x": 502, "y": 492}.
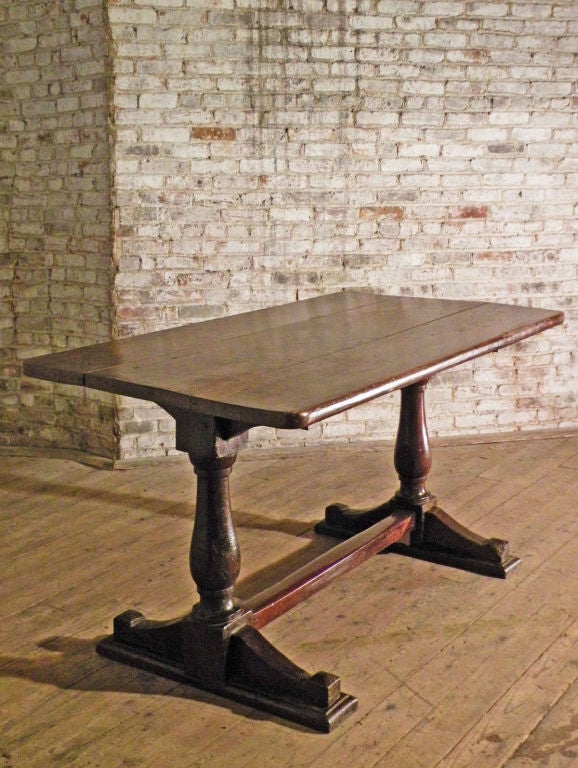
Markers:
{"x": 288, "y": 367}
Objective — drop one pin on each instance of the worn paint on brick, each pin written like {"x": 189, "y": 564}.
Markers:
{"x": 471, "y": 212}
{"x": 375, "y": 213}
{"x": 55, "y": 155}
{"x": 505, "y": 148}
{"x": 147, "y": 150}
{"x": 497, "y": 256}
{"x": 259, "y": 155}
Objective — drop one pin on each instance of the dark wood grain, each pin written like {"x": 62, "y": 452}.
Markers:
{"x": 294, "y": 365}
{"x": 435, "y": 535}
{"x": 306, "y": 581}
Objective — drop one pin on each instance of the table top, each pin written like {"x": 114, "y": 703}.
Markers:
{"x": 292, "y": 365}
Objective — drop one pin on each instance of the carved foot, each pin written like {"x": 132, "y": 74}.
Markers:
{"x": 436, "y": 537}
{"x": 232, "y": 660}
{"x": 260, "y": 675}
{"x": 441, "y": 539}
{"x": 342, "y": 521}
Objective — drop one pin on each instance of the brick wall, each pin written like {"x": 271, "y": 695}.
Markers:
{"x": 267, "y": 150}
{"x": 55, "y": 224}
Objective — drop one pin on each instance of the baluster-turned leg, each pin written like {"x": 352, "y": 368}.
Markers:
{"x": 412, "y": 460}
{"x": 436, "y": 536}
{"x": 215, "y": 647}
{"x": 215, "y": 559}
{"x": 412, "y": 454}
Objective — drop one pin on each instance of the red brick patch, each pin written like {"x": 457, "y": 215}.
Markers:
{"x": 374, "y": 213}
{"x": 472, "y": 212}
{"x": 212, "y": 133}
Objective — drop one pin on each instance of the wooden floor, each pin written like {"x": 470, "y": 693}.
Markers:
{"x": 450, "y": 669}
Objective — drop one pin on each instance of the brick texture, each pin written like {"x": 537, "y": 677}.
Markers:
{"x": 270, "y": 151}
{"x": 55, "y": 224}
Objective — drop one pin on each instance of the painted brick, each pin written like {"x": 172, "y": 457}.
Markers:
{"x": 65, "y": 129}
{"x": 377, "y": 213}
{"x": 263, "y": 152}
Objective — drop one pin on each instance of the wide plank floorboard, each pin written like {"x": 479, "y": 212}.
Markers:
{"x": 451, "y": 670}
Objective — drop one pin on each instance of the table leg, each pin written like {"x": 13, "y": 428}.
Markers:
{"x": 215, "y": 647}
{"x": 436, "y": 536}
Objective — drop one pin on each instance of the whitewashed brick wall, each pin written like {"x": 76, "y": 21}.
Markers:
{"x": 55, "y": 221}
{"x": 265, "y": 151}
{"x": 268, "y": 151}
